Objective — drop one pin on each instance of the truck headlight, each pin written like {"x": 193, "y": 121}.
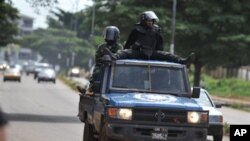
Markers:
{"x": 197, "y": 117}
{"x": 120, "y": 113}
{"x": 125, "y": 114}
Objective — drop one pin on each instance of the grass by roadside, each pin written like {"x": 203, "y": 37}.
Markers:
{"x": 240, "y": 107}
{"x": 227, "y": 87}
{"x": 72, "y": 84}
{"x": 226, "y": 129}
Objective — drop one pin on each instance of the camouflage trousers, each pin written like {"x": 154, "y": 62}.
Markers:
{"x": 95, "y": 78}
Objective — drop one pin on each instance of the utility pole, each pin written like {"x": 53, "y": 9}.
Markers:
{"x": 93, "y": 21}
{"x": 67, "y": 62}
{"x": 172, "y": 45}
{"x": 72, "y": 59}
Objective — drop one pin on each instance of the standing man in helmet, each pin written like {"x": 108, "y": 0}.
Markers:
{"x": 145, "y": 42}
{"x": 111, "y": 35}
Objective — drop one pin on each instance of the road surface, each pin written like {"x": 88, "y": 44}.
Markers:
{"x": 40, "y": 112}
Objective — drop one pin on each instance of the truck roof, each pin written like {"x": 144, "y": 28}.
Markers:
{"x": 148, "y": 62}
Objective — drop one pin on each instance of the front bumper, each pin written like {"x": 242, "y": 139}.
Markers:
{"x": 127, "y": 132}
{"x": 215, "y": 129}
{"x": 12, "y": 77}
{"x": 46, "y": 79}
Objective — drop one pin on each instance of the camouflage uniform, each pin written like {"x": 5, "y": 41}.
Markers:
{"x": 98, "y": 67}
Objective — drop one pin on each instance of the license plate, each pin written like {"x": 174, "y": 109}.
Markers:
{"x": 160, "y": 134}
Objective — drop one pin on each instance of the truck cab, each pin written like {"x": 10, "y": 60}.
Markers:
{"x": 143, "y": 100}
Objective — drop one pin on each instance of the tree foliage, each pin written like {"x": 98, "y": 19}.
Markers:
{"x": 51, "y": 42}
{"x": 79, "y": 22}
{"x": 217, "y": 31}
{"x": 8, "y": 26}
{"x": 42, "y": 3}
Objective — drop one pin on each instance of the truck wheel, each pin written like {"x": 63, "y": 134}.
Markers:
{"x": 103, "y": 136}
{"x": 88, "y": 133}
{"x": 218, "y": 137}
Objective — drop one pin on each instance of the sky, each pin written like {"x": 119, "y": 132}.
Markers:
{"x": 40, "y": 17}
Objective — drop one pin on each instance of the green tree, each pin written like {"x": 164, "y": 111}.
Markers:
{"x": 217, "y": 31}
{"x": 50, "y": 42}
{"x": 78, "y": 22}
{"x": 8, "y": 26}
{"x": 42, "y": 3}
{"x": 125, "y": 13}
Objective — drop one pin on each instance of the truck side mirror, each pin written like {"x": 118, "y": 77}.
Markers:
{"x": 196, "y": 92}
{"x": 218, "y": 105}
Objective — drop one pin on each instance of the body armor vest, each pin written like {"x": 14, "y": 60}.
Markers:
{"x": 146, "y": 40}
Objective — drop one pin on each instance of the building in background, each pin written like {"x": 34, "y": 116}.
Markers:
{"x": 25, "y": 25}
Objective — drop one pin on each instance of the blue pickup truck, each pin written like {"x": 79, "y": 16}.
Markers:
{"x": 143, "y": 100}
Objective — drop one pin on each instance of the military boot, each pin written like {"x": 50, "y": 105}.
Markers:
{"x": 188, "y": 60}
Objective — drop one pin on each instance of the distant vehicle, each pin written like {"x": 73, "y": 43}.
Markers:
{"x": 39, "y": 67}
{"x": 29, "y": 67}
{"x": 3, "y": 65}
{"x": 18, "y": 67}
{"x": 74, "y": 72}
{"x": 46, "y": 75}
{"x": 12, "y": 74}
{"x": 215, "y": 116}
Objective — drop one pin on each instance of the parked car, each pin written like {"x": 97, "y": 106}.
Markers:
{"x": 12, "y": 74}
{"x": 46, "y": 75}
{"x": 215, "y": 116}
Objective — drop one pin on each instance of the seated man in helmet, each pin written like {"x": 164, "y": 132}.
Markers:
{"x": 111, "y": 35}
{"x": 145, "y": 42}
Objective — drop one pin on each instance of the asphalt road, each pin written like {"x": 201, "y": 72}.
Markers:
{"x": 40, "y": 112}
{"x": 48, "y": 112}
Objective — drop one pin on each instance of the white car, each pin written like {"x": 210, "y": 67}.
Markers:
{"x": 46, "y": 75}
{"x": 215, "y": 116}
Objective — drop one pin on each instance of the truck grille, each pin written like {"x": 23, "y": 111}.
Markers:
{"x": 159, "y": 115}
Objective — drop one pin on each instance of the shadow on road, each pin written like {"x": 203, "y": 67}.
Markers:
{"x": 42, "y": 118}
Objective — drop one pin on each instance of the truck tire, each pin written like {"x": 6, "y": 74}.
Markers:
{"x": 88, "y": 133}
{"x": 103, "y": 136}
{"x": 217, "y": 137}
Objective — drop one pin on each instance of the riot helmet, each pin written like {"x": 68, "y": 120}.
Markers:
{"x": 111, "y": 34}
{"x": 149, "y": 16}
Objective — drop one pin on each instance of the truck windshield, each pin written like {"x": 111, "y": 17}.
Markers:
{"x": 149, "y": 79}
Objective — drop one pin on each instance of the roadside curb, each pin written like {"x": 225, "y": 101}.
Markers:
{"x": 231, "y": 101}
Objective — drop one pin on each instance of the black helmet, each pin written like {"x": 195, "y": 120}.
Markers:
{"x": 149, "y": 15}
{"x": 111, "y": 33}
